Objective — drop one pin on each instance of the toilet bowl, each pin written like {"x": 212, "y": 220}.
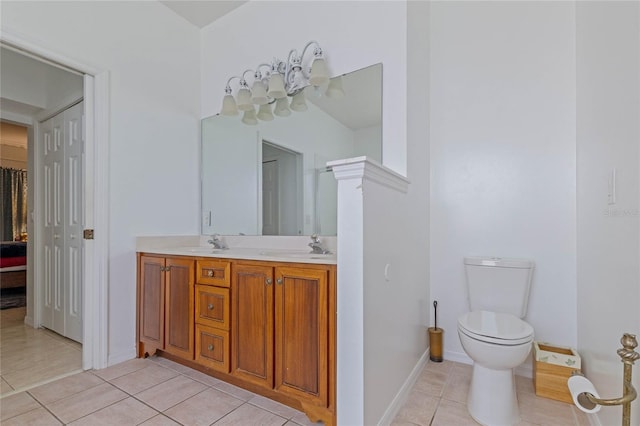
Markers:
{"x": 497, "y": 343}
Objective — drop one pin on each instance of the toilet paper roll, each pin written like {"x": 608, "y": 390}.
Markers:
{"x": 578, "y": 386}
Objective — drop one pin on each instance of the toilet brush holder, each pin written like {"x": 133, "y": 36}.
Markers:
{"x": 435, "y": 344}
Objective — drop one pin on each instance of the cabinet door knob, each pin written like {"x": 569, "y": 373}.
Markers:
{"x": 210, "y": 347}
{"x": 210, "y": 306}
{"x": 279, "y": 281}
{"x": 269, "y": 281}
{"x": 210, "y": 273}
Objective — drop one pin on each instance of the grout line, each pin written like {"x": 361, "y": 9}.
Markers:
{"x": 44, "y": 382}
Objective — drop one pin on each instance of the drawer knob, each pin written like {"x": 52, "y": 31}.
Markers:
{"x": 210, "y": 306}
{"x": 269, "y": 281}
{"x": 210, "y": 347}
{"x": 210, "y": 273}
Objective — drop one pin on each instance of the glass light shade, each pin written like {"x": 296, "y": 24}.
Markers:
{"x": 335, "y": 89}
{"x": 249, "y": 117}
{"x": 259, "y": 93}
{"x": 319, "y": 72}
{"x": 264, "y": 112}
{"x": 282, "y": 108}
{"x": 276, "y": 87}
{"x": 244, "y": 99}
{"x": 298, "y": 103}
{"x": 229, "y": 106}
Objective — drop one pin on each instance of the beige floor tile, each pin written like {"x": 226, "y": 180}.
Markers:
{"x": 170, "y": 364}
{"x": 234, "y": 391}
{"x": 63, "y": 388}
{"x": 457, "y": 387}
{"x": 419, "y": 409}
{"x": 460, "y": 368}
{"x": 37, "y": 417}
{"x": 191, "y": 412}
{"x": 524, "y": 385}
{"x": 248, "y": 414}
{"x": 440, "y": 367}
{"x": 143, "y": 378}
{"x": 302, "y": 420}
{"x": 273, "y": 406}
{"x": 431, "y": 382}
{"x": 171, "y": 392}
{"x": 203, "y": 378}
{"x": 160, "y": 420}
{"x": 544, "y": 411}
{"x": 42, "y": 372}
{"x": 122, "y": 368}
{"x": 17, "y": 404}
{"x": 87, "y": 402}
{"x": 5, "y": 387}
{"x": 451, "y": 413}
{"x": 126, "y": 412}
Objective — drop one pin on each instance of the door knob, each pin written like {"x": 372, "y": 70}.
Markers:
{"x": 269, "y": 281}
{"x": 279, "y": 281}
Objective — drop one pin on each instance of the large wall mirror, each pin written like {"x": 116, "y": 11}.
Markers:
{"x": 272, "y": 178}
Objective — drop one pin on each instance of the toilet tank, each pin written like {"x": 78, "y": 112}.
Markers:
{"x": 499, "y": 284}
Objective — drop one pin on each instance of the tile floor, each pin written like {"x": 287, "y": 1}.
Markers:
{"x": 153, "y": 391}
{"x": 30, "y": 356}
{"x": 156, "y": 391}
{"x": 440, "y": 394}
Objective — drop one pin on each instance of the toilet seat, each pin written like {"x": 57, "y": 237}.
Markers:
{"x": 496, "y": 328}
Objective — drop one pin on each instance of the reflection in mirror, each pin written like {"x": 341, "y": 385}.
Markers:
{"x": 272, "y": 179}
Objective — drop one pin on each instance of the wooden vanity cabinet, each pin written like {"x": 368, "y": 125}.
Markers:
{"x": 269, "y": 327}
{"x": 212, "y": 314}
{"x": 281, "y": 330}
{"x": 252, "y": 330}
{"x": 166, "y": 305}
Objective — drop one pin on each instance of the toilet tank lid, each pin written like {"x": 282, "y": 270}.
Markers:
{"x": 502, "y": 262}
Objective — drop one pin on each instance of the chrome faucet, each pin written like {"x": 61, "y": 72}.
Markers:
{"x": 217, "y": 242}
{"x": 316, "y": 246}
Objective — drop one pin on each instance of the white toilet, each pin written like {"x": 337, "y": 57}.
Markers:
{"x": 494, "y": 335}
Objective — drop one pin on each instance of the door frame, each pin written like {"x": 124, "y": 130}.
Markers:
{"x": 96, "y": 189}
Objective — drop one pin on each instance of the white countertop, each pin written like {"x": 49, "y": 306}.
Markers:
{"x": 283, "y": 249}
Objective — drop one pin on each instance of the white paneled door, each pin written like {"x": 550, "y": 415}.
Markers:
{"x": 62, "y": 149}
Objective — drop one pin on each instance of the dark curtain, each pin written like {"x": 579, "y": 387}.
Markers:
{"x": 13, "y": 184}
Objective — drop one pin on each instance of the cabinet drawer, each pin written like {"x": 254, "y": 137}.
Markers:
{"x": 212, "y": 306}
{"x": 212, "y": 348}
{"x": 213, "y": 272}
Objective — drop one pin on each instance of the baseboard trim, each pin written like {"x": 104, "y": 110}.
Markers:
{"x": 460, "y": 357}
{"x": 114, "y": 359}
{"x": 403, "y": 394}
{"x": 28, "y": 320}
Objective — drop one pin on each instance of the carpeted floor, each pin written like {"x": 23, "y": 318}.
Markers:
{"x": 13, "y": 298}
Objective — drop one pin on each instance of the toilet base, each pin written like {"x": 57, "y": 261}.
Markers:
{"x": 492, "y": 399}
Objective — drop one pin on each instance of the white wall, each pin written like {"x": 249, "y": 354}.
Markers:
{"x": 503, "y": 154}
{"x": 608, "y": 134}
{"x": 153, "y": 58}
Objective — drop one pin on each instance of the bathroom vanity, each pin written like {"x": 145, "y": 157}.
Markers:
{"x": 264, "y": 320}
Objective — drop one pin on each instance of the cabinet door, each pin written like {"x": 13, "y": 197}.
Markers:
{"x": 302, "y": 333}
{"x": 179, "y": 307}
{"x": 252, "y": 324}
{"x": 151, "y": 303}
{"x": 212, "y": 306}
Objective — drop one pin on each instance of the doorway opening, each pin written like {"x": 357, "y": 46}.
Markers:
{"x": 94, "y": 175}
{"x": 282, "y": 199}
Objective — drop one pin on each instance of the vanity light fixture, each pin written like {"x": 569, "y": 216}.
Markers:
{"x": 273, "y": 83}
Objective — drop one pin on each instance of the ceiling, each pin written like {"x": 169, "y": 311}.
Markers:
{"x": 202, "y": 13}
